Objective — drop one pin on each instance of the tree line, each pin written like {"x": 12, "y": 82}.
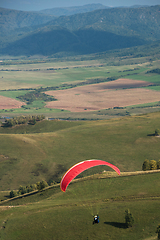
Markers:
{"x": 29, "y": 188}
{"x": 157, "y": 71}
{"x": 22, "y": 120}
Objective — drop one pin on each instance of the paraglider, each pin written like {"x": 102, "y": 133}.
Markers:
{"x": 80, "y": 167}
{"x": 96, "y": 219}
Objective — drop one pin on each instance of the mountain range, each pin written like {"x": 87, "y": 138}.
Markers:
{"x": 96, "y": 29}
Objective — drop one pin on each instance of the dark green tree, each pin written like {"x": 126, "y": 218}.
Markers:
{"x": 12, "y": 194}
{"x": 158, "y": 231}
{"x": 129, "y": 220}
{"x": 158, "y": 164}
{"x": 157, "y": 132}
{"x": 146, "y": 165}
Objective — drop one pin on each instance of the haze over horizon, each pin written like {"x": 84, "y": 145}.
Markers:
{"x": 37, "y": 5}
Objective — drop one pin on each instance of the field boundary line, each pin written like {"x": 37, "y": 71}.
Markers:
{"x": 106, "y": 174}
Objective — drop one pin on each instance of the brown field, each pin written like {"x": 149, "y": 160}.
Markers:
{"x": 8, "y": 103}
{"x": 103, "y": 95}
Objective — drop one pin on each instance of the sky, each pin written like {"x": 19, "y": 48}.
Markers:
{"x": 36, "y": 5}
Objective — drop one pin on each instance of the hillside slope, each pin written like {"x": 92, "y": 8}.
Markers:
{"x": 31, "y": 157}
{"x": 52, "y": 214}
{"x": 53, "y": 39}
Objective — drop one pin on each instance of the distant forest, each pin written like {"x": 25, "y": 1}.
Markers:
{"x": 90, "y": 32}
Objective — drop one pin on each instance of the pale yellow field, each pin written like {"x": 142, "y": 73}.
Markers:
{"x": 103, "y": 95}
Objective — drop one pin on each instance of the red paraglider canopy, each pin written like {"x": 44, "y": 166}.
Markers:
{"x": 80, "y": 167}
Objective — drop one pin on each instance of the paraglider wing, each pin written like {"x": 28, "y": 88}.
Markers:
{"x": 80, "y": 167}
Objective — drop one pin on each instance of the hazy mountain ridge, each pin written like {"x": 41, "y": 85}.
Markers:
{"x": 84, "y": 33}
{"x": 66, "y": 11}
{"x": 125, "y": 21}
{"x": 73, "y": 10}
{"x": 12, "y": 19}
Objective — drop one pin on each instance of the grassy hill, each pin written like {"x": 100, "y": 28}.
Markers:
{"x": 45, "y": 151}
{"x": 85, "y": 33}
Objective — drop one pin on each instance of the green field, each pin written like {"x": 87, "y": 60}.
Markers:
{"x": 29, "y": 78}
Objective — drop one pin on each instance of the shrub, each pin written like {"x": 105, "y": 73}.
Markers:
{"x": 33, "y": 186}
{"x": 22, "y": 190}
{"x": 150, "y": 165}
{"x": 41, "y": 185}
{"x": 153, "y": 165}
{"x": 51, "y": 182}
{"x": 38, "y": 185}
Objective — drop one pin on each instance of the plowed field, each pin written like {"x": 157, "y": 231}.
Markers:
{"x": 8, "y": 103}
{"x": 119, "y": 93}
